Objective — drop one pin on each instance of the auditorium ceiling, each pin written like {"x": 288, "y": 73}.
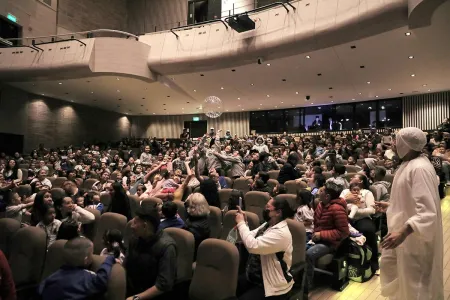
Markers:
{"x": 393, "y": 64}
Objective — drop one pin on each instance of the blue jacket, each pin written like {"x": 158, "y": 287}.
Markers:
{"x": 172, "y": 222}
{"x": 72, "y": 283}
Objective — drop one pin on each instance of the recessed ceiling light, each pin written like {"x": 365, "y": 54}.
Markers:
{"x": 368, "y": 82}
{"x": 259, "y": 107}
{"x": 118, "y": 91}
{"x": 268, "y": 96}
{"x": 429, "y": 90}
{"x": 153, "y": 113}
{"x": 283, "y": 79}
{"x": 353, "y": 99}
{"x": 360, "y": 93}
{"x": 282, "y": 102}
{"x": 407, "y": 33}
{"x": 188, "y": 102}
{"x": 252, "y": 84}
{"x": 268, "y": 65}
{"x": 330, "y": 88}
{"x": 239, "y": 105}
{"x": 413, "y": 75}
{"x": 242, "y": 109}
{"x": 307, "y": 56}
{"x": 60, "y": 83}
{"x": 332, "y": 101}
{"x": 293, "y": 105}
{"x": 195, "y": 90}
{"x": 276, "y": 106}
{"x": 376, "y": 96}
{"x": 143, "y": 98}
{"x": 43, "y": 94}
{"x": 401, "y": 93}
{"x": 389, "y": 89}
{"x": 424, "y": 85}
{"x": 227, "y": 110}
{"x": 382, "y": 107}
{"x": 221, "y": 88}
{"x": 142, "y": 104}
{"x": 120, "y": 99}
{"x": 312, "y": 103}
{"x": 296, "y": 93}
{"x": 410, "y": 57}
{"x": 92, "y": 92}
{"x": 260, "y": 104}
{"x": 239, "y": 98}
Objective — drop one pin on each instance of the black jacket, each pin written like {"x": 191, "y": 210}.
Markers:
{"x": 199, "y": 227}
{"x": 287, "y": 172}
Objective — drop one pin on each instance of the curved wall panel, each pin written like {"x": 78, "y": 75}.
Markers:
{"x": 279, "y": 32}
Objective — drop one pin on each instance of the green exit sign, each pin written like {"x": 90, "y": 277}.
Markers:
{"x": 12, "y": 17}
{"x": 196, "y": 119}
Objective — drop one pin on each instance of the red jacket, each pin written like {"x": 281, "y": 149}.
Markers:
{"x": 7, "y": 288}
{"x": 331, "y": 221}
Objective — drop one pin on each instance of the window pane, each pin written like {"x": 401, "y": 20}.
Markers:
{"x": 258, "y": 122}
{"x": 343, "y": 117}
{"x": 275, "y": 121}
{"x": 390, "y": 113}
{"x": 366, "y": 114}
{"x": 294, "y": 120}
{"x": 316, "y": 118}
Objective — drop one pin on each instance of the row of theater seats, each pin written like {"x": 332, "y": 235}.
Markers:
{"x": 218, "y": 260}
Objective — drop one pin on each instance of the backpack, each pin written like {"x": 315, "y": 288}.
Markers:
{"x": 359, "y": 266}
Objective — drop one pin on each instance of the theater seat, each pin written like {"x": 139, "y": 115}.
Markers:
{"x": 27, "y": 256}
{"x": 54, "y": 259}
{"x": 185, "y": 252}
{"x": 229, "y": 182}
{"x": 90, "y": 230}
{"x": 349, "y": 176}
{"x": 291, "y": 199}
{"x": 117, "y": 283}
{"x": 327, "y": 175}
{"x": 301, "y": 167}
{"x": 224, "y": 195}
{"x": 88, "y": 183}
{"x": 105, "y": 199}
{"x": 215, "y": 221}
{"x": 58, "y": 182}
{"x": 255, "y": 202}
{"x": 273, "y": 174}
{"x": 352, "y": 169}
{"x": 242, "y": 184}
{"x": 108, "y": 221}
{"x": 297, "y": 271}
{"x": 229, "y": 222}
{"x": 216, "y": 272}
{"x": 127, "y": 236}
{"x": 24, "y": 190}
{"x": 8, "y": 228}
{"x": 272, "y": 183}
{"x": 57, "y": 194}
{"x": 292, "y": 186}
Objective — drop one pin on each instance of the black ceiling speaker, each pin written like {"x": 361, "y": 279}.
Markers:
{"x": 241, "y": 23}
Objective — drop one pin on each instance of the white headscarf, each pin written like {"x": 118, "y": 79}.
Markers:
{"x": 410, "y": 138}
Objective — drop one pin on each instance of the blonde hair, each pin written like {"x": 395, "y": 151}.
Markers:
{"x": 197, "y": 205}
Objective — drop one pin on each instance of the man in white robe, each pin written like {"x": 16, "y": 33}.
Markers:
{"x": 412, "y": 257}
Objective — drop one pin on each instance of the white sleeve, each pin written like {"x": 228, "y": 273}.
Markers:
{"x": 271, "y": 242}
{"x": 344, "y": 193}
{"x": 424, "y": 222}
{"x": 86, "y": 217}
{"x": 370, "y": 202}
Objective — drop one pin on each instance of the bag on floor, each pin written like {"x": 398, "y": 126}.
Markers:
{"x": 359, "y": 266}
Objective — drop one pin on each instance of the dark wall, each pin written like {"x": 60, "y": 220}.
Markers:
{"x": 55, "y": 122}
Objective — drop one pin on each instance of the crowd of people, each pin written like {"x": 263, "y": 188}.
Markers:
{"x": 193, "y": 171}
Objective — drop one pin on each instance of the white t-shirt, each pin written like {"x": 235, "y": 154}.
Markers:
{"x": 304, "y": 213}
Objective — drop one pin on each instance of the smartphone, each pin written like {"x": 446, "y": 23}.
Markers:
{"x": 314, "y": 191}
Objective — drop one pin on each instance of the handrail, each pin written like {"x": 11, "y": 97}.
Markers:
{"x": 26, "y": 46}
{"x": 60, "y": 41}
{"x": 74, "y": 33}
{"x": 198, "y": 24}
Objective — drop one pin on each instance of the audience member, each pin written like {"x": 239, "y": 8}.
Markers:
{"x": 120, "y": 203}
{"x": 73, "y": 280}
{"x": 197, "y": 221}
{"x": 69, "y": 229}
{"x": 49, "y": 223}
{"x": 151, "y": 259}
{"x": 270, "y": 249}
{"x": 7, "y": 286}
{"x": 170, "y": 216}
{"x": 113, "y": 241}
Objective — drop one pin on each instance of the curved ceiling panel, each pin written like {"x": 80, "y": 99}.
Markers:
{"x": 421, "y": 11}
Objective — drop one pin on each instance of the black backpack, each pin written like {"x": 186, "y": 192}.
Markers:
{"x": 359, "y": 266}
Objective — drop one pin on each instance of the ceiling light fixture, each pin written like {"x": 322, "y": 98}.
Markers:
{"x": 242, "y": 109}
{"x": 252, "y": 84}
{"x": 117, "y": 78}
{"x": 407, "y": 33}
{"x": 239, "y": 98}
{"x": 282, "y": 102}
{"x": 60, "y": 83}
{"x": 268, "y": 65}
{"x": 221, "y": 88}
{"x": 368, "y": 82}
{"x": 413, "y": 75}
{"x": 307, "y": 56}
{"x": 410, "y": 57}
{"x": 260, "y": 104}
{"x": 268, "y": 96}
{"x": 276, "y": 106}
{"x": 118, "y": 91}
{"x": 389, "y": 89}
{"x": 195, "y": 90}
{"x": 376, "y": 96}
{"x": 296, "y": 93}
{"x": 312, "y": 103}
{"x": 92, "y": 92}
{"x": 353, "y": 99}
{"x": 353, "y": 47}
{"x": 360, "y": 93}
{"x": 429, "y": 90}
{"x": 424, "y": 85}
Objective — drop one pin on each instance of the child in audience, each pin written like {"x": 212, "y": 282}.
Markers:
{"x": 353, "y": 207}
{"x": 14, "y": 206}
{"x": 170, "y": 216}
{"x": 49, "y": 223}
{"x": 73, "y": 280}
{"x": 69, "y": 229}
{"x": 305, "y": 214}
{"x": 93, "y": 200}
{"x": 113, "y": 241}
{"x": 235, "y": 200}
{"x": 80, "y": 201}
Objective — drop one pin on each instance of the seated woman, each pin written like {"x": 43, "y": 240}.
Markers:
{"x": 270, "y": 248}
{"x": 38, "y": 210}
{"x": 362, "y": 220}
{"x": 67, "y": 209}
{"x": 197, "y": 222}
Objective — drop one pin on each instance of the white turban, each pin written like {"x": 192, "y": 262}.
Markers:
{"x": 410, "y": 138}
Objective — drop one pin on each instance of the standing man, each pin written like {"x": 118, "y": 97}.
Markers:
{"x": 412, "y": 256}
